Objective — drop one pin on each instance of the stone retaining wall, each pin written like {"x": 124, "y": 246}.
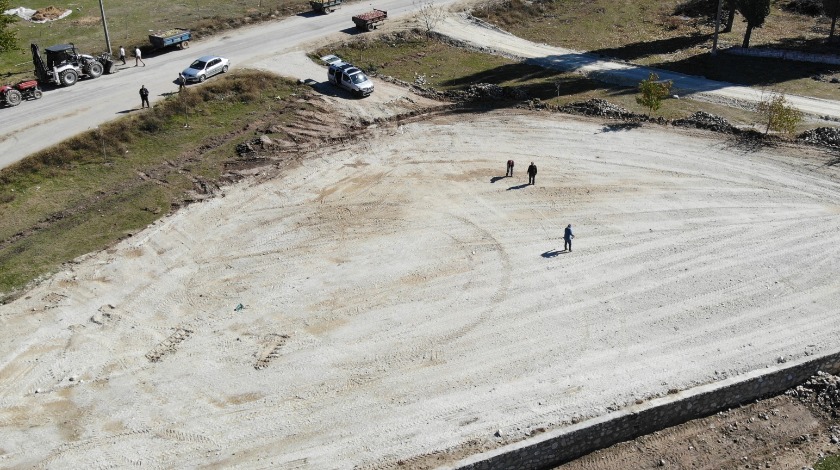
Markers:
{"x": 562, "y": 445}
{"x": 784, "y": 55}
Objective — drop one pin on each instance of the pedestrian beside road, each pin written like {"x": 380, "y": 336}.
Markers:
{"x": 122, "y": 54}
{"x": 567, "y": 238}
{"x": 532, "y": 173}
{"x": 144, "y": 97}
{"x": 509, "y": 168}
{"x": 182, "y": 82}
{"x": 138, "y": 59}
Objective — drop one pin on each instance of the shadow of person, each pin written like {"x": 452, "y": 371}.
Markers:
{"x": 519, "y": 186}
{"x": 552, "y": 253}
{"x": 497, "y": 178}
{"x": 126, "y": 111}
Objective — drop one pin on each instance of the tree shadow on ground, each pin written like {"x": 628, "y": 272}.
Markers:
{"x": 743, "y": 70}
{"x": 621, "y": 126}
{"x": 749, "y": 141}
{"x": 646, "y": 48}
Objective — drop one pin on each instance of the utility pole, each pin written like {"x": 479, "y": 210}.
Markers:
{"x": 717, "y": 27}
{"x": 105, "y": 25}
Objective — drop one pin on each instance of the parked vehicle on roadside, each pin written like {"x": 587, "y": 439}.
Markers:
{"x": 205, "y": 67}
{"x": 13, "y": 95}
{"x": 65, "y": 66}
{"x": 370, "y": 20}
{"x": 171, "y": 37}
{"x": 324, "y": 6}
{"x": 347, "y": 76}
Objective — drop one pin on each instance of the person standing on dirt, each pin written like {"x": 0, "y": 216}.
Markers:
{"x": 532, "y": 173}
{"x": 567, "y": 238}
{"x": 509, "y": 171}
{"x": 138, "y": 59}
{"x": 122, "y": 54}
{"x": 182, "y": 82}
{"x": 144, "y": 97}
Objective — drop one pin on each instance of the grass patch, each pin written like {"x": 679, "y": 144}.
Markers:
{"x": 832, "y": 462}
{"x": 647, "y": 32}
{"x": 129, "y": 23}
{"x": 94, "y": 189}
{"x": 445, "y": 67}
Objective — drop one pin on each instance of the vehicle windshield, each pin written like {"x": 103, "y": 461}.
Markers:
{"x": 358, "y": 78}
{"x": 198, "y": 65}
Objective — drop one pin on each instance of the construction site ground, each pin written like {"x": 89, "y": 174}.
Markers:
{"x": 391, "y": 300}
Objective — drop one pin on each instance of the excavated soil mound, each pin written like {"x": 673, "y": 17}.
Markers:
{"x": 49, "y": 13}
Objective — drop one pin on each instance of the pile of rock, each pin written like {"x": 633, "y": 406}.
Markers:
{"x": 599, "y": 107}
{"x": 824, "y": 136}
{"x": 703, "y": 120}
{"x": 486, "y": 92}
{"x": 252, "y": 146}
{"x": 822, "y": 390}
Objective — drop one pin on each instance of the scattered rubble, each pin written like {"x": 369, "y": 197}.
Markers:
{"x": 823, "y": 136}
{"x": 822, "y": 390}
{"x": 599, "y": 107}
{"x": 703, "y": 120}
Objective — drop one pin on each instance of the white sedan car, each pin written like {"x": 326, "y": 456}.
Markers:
{"x": 205, "y": 67}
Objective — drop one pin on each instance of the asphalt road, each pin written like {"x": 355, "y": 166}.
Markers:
{"x": 65, "y": 112}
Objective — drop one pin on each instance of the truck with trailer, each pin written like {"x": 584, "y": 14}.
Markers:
{"x": 370, "y": 20}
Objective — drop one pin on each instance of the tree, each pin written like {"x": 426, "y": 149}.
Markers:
{"x": 653, "y": 91}
{"x": 832, "y": 10}
{"x": 8, "y": 38}
{"x": 730, "y": 19}
{"x": 429, "y": 15}
{"x": 754, "y": 13}
{"x": 779, "y": 115}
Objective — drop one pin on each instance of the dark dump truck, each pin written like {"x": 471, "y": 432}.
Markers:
{"x": 178, "y": 37}
{"x": 325, "y": 6}
{"x": 370, "y": 20}
{"x": 64, "y": 65}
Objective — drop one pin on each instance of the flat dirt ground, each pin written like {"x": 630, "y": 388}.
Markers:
{"x": 394, "y": 299}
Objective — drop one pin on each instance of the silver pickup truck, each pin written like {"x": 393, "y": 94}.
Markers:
{"x": 347, "y": 76}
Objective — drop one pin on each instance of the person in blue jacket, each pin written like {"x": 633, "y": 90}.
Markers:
{"x": 567, "y": 238}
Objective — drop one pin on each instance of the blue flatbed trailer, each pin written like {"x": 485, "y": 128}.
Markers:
{"x": 171, "y": 37}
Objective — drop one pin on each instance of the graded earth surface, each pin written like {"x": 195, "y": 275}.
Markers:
{"x": 394, "y": 297}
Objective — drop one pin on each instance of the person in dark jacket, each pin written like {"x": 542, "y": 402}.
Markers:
{"x": 567, "y": 238}
{"x": 532, "y": 173}
{"x": 144, "y": 97}
{"x": 509, "y": 171}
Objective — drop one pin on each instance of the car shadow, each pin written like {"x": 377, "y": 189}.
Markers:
{"x": 310, "y": 14}
{"x": 328, "y": 89}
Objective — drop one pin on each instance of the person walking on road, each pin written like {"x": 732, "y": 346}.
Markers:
{"x": 138, "y": 59}
{"x": 567, "y": 238}
{"x": 144, "y": 97}
{"x": 509, "y": 171}
{"x": 122, "y": 54}
{"x": 532, "y": 173}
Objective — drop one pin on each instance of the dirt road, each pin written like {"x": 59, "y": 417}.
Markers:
{"x": 396, "y": 297}
{"x": 465, "y": 28}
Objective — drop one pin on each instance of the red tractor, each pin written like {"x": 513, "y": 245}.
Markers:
{"x": 12, "y": 95}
